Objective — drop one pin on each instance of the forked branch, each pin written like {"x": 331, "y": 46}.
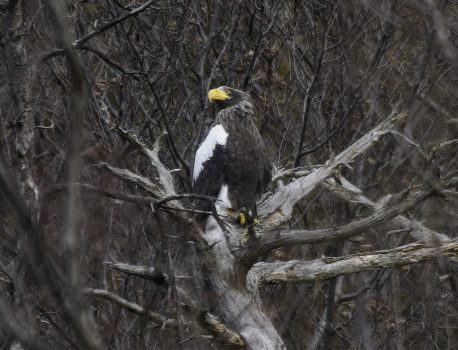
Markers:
{"x": 279, "y": 208}
{"x": 285, "y": 238}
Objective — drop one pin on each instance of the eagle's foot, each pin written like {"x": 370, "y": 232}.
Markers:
{"x": 242, "y": 217}
{"x": 246, "y": 219}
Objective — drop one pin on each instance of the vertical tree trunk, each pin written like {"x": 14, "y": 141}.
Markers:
{"x": 240, "y": 309}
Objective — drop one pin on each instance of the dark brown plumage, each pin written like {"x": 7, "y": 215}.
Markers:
{"x": 233, "y": 155}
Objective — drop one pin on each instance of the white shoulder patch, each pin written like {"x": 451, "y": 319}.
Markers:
{"x": 217, "y": 135}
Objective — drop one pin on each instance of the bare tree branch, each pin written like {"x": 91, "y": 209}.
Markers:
{"x": 287, "y": 238}
{"x": 417, "y": 230}
{"x": 108, "y": 25}
{"x": 135, "y": 308}
{"x": 325, "y": 268}
{"x": 146, "y": 272}
{"x": 165, "y": 178}
{"x": 100, "y": 29}
{"x": 154, "y": 190}
{"x": 212, "y": 322}
{"x": 93, "y": 189}
{"x": 223, "y": 331}
{"x": 278, "y": 208}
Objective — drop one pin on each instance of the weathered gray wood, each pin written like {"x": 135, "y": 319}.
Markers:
{"x": 223, "y": 331}
{"x": 285, "y": 238}
{"x": 325, "y": 268}
{"x": 153, "y": 189}
{"x": 146, "y": 272}
{"x": 278, "y": 208}
{"x": 236, "y": 304}
{"x": 165, "y": 179}
{"x": 417, "y": 230}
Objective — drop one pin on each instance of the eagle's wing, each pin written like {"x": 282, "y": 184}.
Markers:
{"x": 209, "y": 164}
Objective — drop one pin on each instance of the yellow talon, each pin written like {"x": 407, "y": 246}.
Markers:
{"x": 255, "y": 221}
{"x": 242, "y": 219}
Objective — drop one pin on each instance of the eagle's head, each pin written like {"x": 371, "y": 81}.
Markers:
{"x": 226, "y": 97}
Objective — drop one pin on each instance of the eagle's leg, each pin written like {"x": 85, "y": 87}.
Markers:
{"x": 247, "y": 219}
{"x": 236, "y": 216}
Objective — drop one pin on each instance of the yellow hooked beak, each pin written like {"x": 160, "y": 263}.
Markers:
{"x": 218, "y": 95}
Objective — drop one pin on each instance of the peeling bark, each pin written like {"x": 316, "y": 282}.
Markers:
{"x": 325, "y": 268}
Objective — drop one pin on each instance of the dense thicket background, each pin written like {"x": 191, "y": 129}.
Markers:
{"x": 320, "y": 73}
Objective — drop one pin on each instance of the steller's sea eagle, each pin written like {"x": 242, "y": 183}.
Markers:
{"x": 231, "y": 163}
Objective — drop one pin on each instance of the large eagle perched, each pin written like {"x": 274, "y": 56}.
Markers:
{"x": 231, "y": 163}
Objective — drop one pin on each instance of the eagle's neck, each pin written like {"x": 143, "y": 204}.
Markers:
{"x": 242, "y": 104}
{"x": 245, "y": 106}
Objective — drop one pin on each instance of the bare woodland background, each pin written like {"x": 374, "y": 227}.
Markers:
{"x": 78, "y": 78}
